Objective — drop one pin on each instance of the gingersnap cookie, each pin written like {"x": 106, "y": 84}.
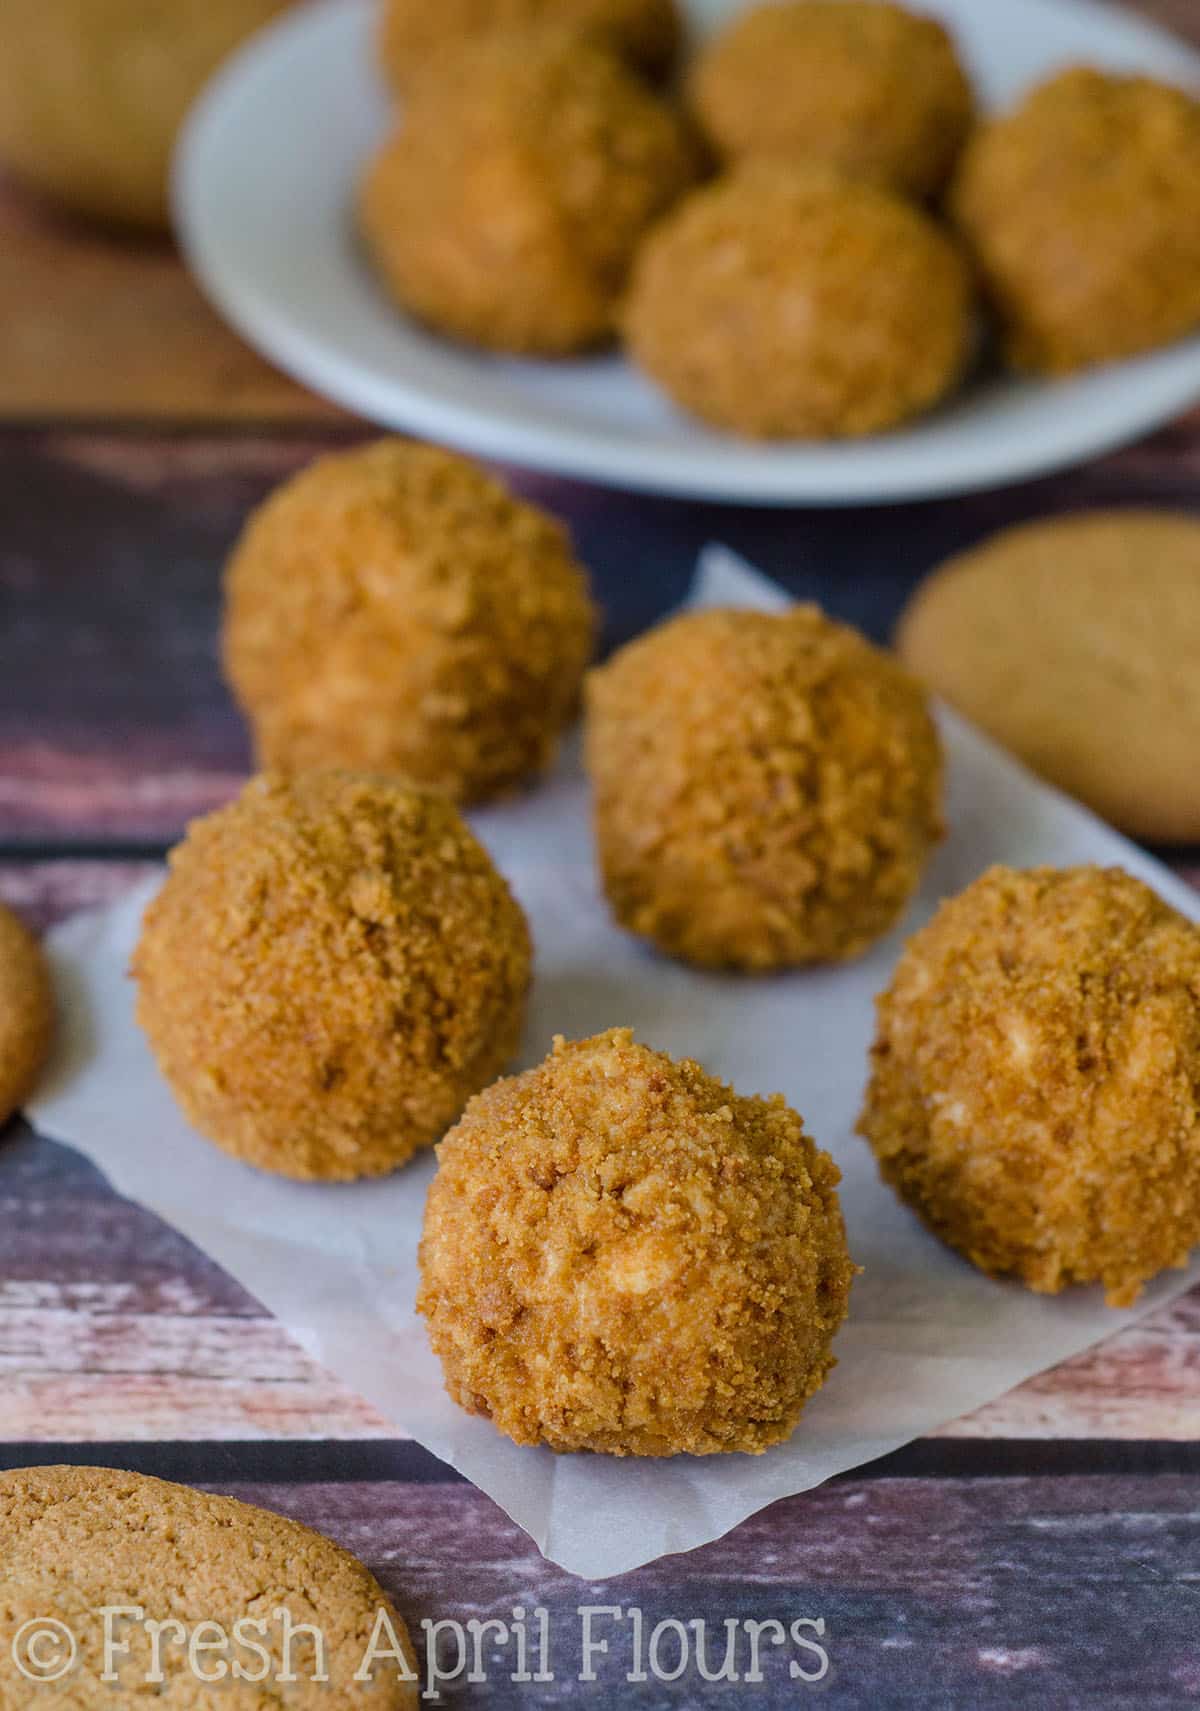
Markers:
{"x": 26, "y": 1012}
{"x": 210, "y": 1601}
{"x": 93, "y": 92}
{"x": 1074, "y": 642}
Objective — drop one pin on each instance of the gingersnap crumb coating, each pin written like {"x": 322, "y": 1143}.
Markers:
{"x": 414, "y": 33}
{"x": 622, "y": 1255}
{"x": 332, "y": 968}
{"x": 795, "y": 304}
{"x": 26, "y": 1012}
{"x": 395, "y": 609}
{"x": 1034, "y": 1079}
{"x": 229, "y": 1584}
{"x": 506, "y": 209}
{"x": 767, "y": 787}
{"x": 1083, "y": 209}
{"x": 868, "y": 87}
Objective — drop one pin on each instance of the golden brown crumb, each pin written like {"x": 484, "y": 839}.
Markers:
{"x": 1034, "y": 1080}
{"x": 767, "y": 787}
{"x": 622, "y": 1255}
{"x": 92, "y": 93}
{"x": 415, "y": 32}
{"x": 394, "y": 609}
{"x": 75, "y": 1541}
{"x": 332, "y": 968}
{"x": 793, "y": 304}
{"x": 865, "y": 86}
{"x": 1083, "y": 207}
{"x": 506, "y": 209}
{"x": 26, "y": 1012}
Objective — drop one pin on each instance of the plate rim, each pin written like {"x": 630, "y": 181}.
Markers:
{"x": 754, "y": 475}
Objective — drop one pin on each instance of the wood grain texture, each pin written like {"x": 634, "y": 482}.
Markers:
{"x": 93, "y": 325}
{"x": 136, "y": 432}
{"x": 77, "y": 1370}
{"x": 100, "y": 327}
{"x": 114, "y": 721}
{"x": 114, "y": 1327}
{"x": 942, "y": 1594}
{"x": 1031, "y": 1591}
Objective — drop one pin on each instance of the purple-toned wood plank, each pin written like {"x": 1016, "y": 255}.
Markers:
{"x": 44, "y": 892}
{"x": 112, "y": 1327}
{"x": 114, "y": 722}
{"x": 1005, "y": 1593}
{"x": 1036, "y": 1591}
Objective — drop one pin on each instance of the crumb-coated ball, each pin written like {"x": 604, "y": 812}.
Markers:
{"x": 414, "y": 33}
{"x": 332, "y": 968}
{"x": 1035, "y": 1079}
{"x": 92, "y": 93}
{"x": 622, "y": 1255}
{"x": 870, "y": 88}
{"x": 26, "y": 1012}
{"x": 395, "y": 609}
{"x": 794, "y": 304}
{"x": 767, "y": 787}
{"x": 506, "y": 209}
{"x": 1083, "y": 209}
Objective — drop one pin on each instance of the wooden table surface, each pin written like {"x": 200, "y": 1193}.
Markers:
{"x": 1043, "y": 1552}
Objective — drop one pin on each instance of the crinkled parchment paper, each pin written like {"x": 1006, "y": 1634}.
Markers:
{"x": 928, "y": 1338}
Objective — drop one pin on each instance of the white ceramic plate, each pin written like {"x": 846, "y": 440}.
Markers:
{"x": 263, "y": 190}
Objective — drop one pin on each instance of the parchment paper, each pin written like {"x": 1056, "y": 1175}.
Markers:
{"x": 928, "y": 1338}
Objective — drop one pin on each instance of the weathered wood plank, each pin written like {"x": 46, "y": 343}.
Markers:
{"x": 937, "y": 1592}
{"x": 113, "y": 1327}
{"x": 44, "y": 892}
{"x": 1142, "y": 1383}
{"x": 114, "y": 728}
{"x": 76, "y": 1373}
{"x": 114, "y": 721}
{"x": 105, "y": 327}
{"x": 991, "y": 1593}
{"x": 93, "y": 325}
{"x": 158, "y": 1406}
